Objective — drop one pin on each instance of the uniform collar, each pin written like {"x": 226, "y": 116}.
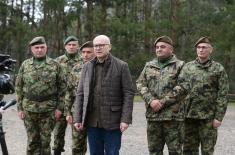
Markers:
{"x": 156, "y": 63}
{"x": 46, "y": 60}
{"x": 203, "y": 65}
{"x": 76, "y": 57}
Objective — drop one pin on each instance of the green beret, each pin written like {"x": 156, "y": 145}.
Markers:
{"x": 202, "y": 40}
{"x": 86, "y": 44}
{"x": 70, "y": 38}
{"x": 164, "y": 39}
{"x": 37, "y": 41}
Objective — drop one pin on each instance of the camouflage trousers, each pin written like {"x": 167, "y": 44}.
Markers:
{"x": 39, "y": 127}
{"x": 160, "y": 133}
{"x": 59, "y": 134}
{"x": 198, "y": 131}
{"x": 79, "y": 142}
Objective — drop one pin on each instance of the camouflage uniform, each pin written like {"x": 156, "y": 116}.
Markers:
{"x": 79, "y": 143}
{"x": 39, "y": 89}
{"x": 208, "y": 84}
{"x": 164, "y": 126}
{"x": 67, "y": 62}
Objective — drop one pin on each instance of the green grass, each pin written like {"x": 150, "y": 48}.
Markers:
{"x": 232, "y": 103}
{"x": 138, "y": 99}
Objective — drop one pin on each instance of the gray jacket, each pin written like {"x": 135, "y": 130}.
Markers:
{"x": 118, "y": 93}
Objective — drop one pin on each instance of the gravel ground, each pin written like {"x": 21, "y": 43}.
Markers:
{"x": 133, "y": 141}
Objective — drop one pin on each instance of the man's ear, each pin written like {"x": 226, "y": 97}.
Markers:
{"x": 211, "y": 50}
{"x": 110, "y": 46}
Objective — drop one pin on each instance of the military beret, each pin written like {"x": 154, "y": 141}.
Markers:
{"x": 86, "y": 44}
{"x": 37, "y": 41}
{"x": 164, "y": 39}
{"x": 70, "y": 38}
{"x": 202, "y": 40}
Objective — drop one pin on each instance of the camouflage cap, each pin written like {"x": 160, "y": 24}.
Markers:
{"x": 164, "y": 39}
{"x": 37, "y": 41}
{"x": 70, "y": 38}
{"x": 202, "y": 40}
{"x": 86, "y": 44}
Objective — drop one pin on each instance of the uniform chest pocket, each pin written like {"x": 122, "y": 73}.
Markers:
{"x": 171, "y": 76}
{"x": 212, "y": 78}
{"x": 30, "y": 76}
{"x": 169, "y": 80}
{"x": 48, "y": 77}
{"x": 152, "y": 74}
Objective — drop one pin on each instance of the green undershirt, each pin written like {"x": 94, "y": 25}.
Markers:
{"x": 162, "y": 63}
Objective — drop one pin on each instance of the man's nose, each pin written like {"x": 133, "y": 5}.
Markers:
{"x": 40, "y": 49}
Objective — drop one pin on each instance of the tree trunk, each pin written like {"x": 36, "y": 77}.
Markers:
{"x": 147, "y": 18}
{"x": 175, "y": 4}
{"x": 89, "y": 17}
{"x": 103, "y": 25}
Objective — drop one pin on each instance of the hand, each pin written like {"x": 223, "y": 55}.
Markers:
{"x": 123, "y": 126}
{"x": 78, "y": 126}
{"x": 69, "y": 119}
{"x": 21, "y": 115}
{"x": 216, "y": 123}
{"x": 57, "y": 114}
{"x": 156, "y": 105}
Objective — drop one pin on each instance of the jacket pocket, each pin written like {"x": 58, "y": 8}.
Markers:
{"x": 116, "y": 112}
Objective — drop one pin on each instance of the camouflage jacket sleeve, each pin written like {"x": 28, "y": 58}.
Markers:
{"x": 70, "y": 94}
{"x": 19, "y": 88}
{"x": 128, "y": 94}
{"x": 180, "y": 91}
{"x": 61, "y": 84}
{"x": 142, "y": 87}
{"x": 72, "y": 83}
{"x": 222, "y": 101}
{"x": 78, "y": 103}
{"x": 68, "y": 97}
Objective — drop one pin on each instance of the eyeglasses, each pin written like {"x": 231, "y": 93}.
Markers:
{"x": 100, "y": 45}
{"x": 203, "y": 47}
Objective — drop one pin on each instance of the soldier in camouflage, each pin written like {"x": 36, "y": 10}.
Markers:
{"x": 206, "y": 83}
{"x": 164, "y": 121}
{"x": 206, "y": 102}
{"x": 70, "y": 59}
{"x": 79, "y": 142}
{"x": 40, "y": 89}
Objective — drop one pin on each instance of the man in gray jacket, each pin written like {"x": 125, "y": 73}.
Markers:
{"x": 104, "y": 101}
